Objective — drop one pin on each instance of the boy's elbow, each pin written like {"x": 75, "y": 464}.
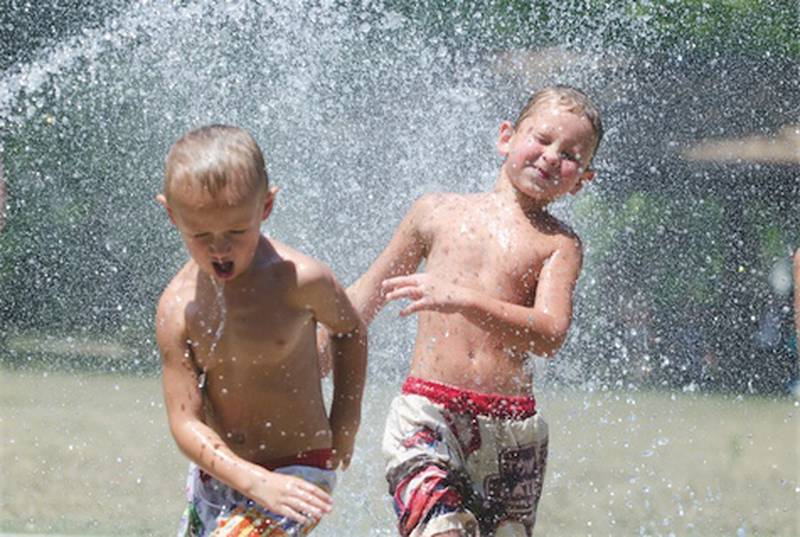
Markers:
{"x": 354, "y": 341}
{"x": 360, "y": 324}
{"x": 549, "y": 340}
{"x": 550, "y": 346}
{"x": 360, "y": 330}
{"x": 357, "y": 333}
{"x": 183, "y": 434}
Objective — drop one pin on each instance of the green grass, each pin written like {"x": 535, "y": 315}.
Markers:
{"x": 91, "y": 454}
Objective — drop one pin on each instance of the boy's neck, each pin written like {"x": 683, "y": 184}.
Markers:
{"x": 506, "y": 190}
{"x": 265, "y": 254}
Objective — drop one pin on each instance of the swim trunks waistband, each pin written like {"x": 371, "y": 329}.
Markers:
{"x": 317, "y": 458}
{"x": 467, "y": 401}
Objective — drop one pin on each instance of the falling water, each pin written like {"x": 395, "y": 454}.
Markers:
{"x": 219, "y": 288}
{"x": 360, "y": 109}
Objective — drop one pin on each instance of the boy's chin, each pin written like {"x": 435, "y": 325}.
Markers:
{"x": 536, "y": 192}
{"x": 543, "y": 193}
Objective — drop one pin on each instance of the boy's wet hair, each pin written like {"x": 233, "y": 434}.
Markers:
{"x": 571, "y": 99}
{"x": 218, "y": 161}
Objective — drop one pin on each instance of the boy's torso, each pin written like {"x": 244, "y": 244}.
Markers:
{"x": 255, "y": 352}
{"x": 480, "y": 242}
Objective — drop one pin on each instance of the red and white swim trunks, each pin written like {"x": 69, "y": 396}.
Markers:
{"x": 464, "y": 460}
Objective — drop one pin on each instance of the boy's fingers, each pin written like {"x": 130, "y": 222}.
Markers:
{"x": 414, "y": 307}
{"x": 398, "y": 281}
{"x": 305, "y": 510}
{"x": 317, "y": 493}
{"x": 294, "y": 514}
{"x": 405, "y": 292}
{"x": 312, "y": 505}
{"x": 389, "y": 289}
{"x": 306, "y": 507}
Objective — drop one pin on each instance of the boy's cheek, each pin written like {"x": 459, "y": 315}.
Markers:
{"x": 570, "y": 169}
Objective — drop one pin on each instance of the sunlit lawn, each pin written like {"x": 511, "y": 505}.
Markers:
{"x": 91, "y": 454}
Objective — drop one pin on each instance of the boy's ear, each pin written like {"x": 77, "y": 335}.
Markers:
{"x": 504, "y": 137}
{"x": 587, "y": 176}
{"x": 269, "y": 203}
{"x": 163, "y": 201}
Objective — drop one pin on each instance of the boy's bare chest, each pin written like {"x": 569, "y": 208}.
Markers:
{"x": 249, "y": 332}
{"x": 496, "y": 251}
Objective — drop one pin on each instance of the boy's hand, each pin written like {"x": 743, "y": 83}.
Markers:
{"x": 290, "y": 496}
{"x": 425, "y": 293}
{"x": 343, "y": 443}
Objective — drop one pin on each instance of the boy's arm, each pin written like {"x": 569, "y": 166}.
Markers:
{"x": 540, "y": 329}
{"x": 293, "y": 498}
{"x": 348, "y": 344}
{"x": 402, "y": 256}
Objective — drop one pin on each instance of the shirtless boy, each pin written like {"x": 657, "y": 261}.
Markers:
{"x": 237, "y": 331}
{"x": 464, "y": 445}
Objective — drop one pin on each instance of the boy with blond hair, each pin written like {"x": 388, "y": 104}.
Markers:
{"x": 237, "y": 332}
{"x": 464, "y": 445}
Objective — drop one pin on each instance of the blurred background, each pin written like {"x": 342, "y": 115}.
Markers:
{"x": 360, "y": 107}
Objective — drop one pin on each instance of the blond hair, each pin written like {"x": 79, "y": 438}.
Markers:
{"x": 571, "y": 99}
{"x": 221, "y": 162}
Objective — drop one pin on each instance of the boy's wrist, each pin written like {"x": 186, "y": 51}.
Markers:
{"x": 245, "y": 478}
{"x": 467, "y": 300}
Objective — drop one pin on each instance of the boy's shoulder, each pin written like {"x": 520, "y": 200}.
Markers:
{"x": 177, "y": 296}
{"x": 180, "y": 287}
{"x": 434, "y": 207}
{"x": 558, "y": 228}
{"x": 436, "y": 200}
{"x": 558, "y": 235}
{"x": 304, "y": 266}
{"x": 301, "y": 272}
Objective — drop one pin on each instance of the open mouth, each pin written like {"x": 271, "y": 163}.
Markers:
{"x": 223, "y": 269}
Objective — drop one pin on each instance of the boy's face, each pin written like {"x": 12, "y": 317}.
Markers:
{"x": 548, "y": 154}
{"x": 221, "y": 238}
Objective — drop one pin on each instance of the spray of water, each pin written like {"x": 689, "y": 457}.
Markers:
{"x": 360, "y": 109}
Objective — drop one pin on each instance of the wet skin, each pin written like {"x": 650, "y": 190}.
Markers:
{"x": 481, "y": 243}
{"x": 499, "y": 270}
{"x": 237, "y": 332}
{"x": 262, "y": 389}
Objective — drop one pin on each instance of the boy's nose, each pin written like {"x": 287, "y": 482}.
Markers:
{"x": 220, "y": 246}
{"x": 550, "y": 156}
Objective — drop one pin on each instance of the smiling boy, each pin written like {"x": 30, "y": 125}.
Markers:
{"x": 465, "y": 447}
